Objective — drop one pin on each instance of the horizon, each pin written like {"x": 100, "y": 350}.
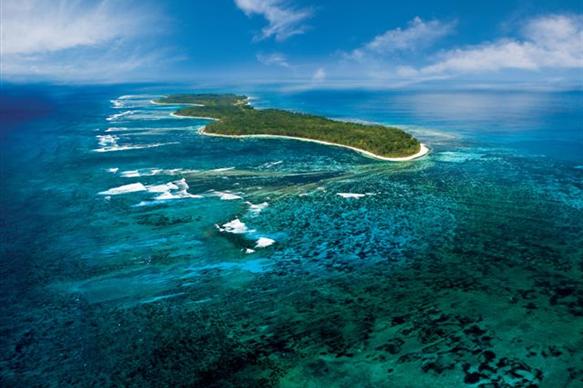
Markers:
{"x": 517, "y": 45}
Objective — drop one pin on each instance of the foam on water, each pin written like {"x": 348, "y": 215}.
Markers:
{"x": 138, "y": 96}
{"x": 351, "y": 195}
{"x": 226, "y": 195}
{"x": 109, "y": 143}
{"x": 125, "y": 189}
{"x": 177, "y": 190}
{"x": 235, "y": 226}
{"x": 118, "y": 116}
{"x": 132, "y": 101}
{"x": 135, "y": 131}
{"x": 166, "y": 187}
{"x": 155, "y": 171}
{"x": 115, "y": 148}
{"x": 271, "y": 164}
{"x": 263, "y": 242}
{"x": 256, "y": 208}
{"x": 168, "y": 191}
{"x": 107, "y": 140}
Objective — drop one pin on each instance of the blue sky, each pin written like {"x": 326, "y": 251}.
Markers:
{"x": 304, "y": 44}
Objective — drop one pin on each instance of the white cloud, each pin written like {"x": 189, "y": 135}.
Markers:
{"x": 277, "y": 59}
{"x": 283, "y": 20}
{"x": 554, "y": 41}
{"x": 33, "y": 26}
{"x": 417, "y": 35}
{"x": 319, "y": 75}
{"x": 73, "y": 40}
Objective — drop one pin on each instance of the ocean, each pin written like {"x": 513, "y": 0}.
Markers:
{"x": 136, "y": 251}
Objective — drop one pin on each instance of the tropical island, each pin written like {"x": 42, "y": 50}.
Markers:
{"x": 234, "y": 117}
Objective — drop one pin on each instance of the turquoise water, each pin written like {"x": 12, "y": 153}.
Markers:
{"x": 137, "y": 252}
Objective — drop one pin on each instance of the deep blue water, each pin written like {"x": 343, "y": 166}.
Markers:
{"x": 137, "y": 252}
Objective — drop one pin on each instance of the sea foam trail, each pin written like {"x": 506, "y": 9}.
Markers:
{"x": 115, "y": 148}
{"x": 138, "y": 96}
{"x": 135, "y": 113}
{"x": 133, "y": 101}
{"x": 107, "y": 140}
{"x": 117, "y": 116}
{"x": 351, "y": 195}
{"x": 154, "y": 172}
{"x": 226, "y": 195}
{"x": 139, "y": 131}
{"x": 108, "y": 143}
{"x": 125, "y": 189}
{"x": 271, "y": 164}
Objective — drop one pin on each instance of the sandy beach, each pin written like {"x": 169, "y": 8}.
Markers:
{"x": 424, "y": 150}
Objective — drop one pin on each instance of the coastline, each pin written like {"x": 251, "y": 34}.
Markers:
{"x": 423, "y": 149}
{"x": 192, "y": 117}
{"x": 171, "y": 104}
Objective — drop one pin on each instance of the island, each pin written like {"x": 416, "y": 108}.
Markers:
{"x": 233, "y": 116}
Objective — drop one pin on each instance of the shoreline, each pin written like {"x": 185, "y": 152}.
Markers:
{"x": 171, "y": 104}
{"x": 423, "y": 149}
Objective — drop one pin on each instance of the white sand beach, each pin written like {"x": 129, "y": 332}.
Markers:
{"x": 423, "y": 150}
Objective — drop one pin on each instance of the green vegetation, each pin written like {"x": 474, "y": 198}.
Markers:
{"x": 236, "y": 117}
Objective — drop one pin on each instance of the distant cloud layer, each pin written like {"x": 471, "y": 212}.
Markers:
{"x": 540, "y": 46}
{"x": 277, "y": 59}
{"x": 554, "y": 41}
{"x": 417, "y": 35}
{"x": 283, "y": 19}
{"x": 32, "y": 27}
{"x": 73, "y": 39}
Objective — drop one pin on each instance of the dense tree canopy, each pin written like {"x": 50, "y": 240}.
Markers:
{"x": 236, "y": 117}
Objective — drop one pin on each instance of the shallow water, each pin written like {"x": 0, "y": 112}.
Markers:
{"x": 136, "y": 251}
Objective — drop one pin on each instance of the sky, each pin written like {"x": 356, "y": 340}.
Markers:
{"x": 515, "y": 44}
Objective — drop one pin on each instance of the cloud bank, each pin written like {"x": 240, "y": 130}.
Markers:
{"x": 554, "y": 41}
{"x": 74, "y": 40}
